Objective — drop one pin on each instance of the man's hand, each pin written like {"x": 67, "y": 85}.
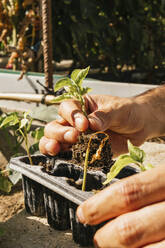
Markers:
{"x": 134, "y": 208}
{"x": 138, "y": 202}
{"x": 121, "y": 118}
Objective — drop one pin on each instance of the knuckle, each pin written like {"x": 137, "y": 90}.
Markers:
{"x": 46, "y": 129}
{"x": 49, "y": 127}
{"x": 64, "y": 107}
{"x": 131, "y": 191}
{"x": 42, "y": 145}
{"x": 128, "y": 231}
{"x": 61, "y": 107}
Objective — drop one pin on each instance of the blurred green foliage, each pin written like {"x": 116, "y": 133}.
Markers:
{"x": 110, "y": 35}
{"x": 117, "y": 37}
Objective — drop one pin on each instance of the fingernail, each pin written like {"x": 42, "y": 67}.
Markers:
{"x": 79, "y": 123}
{"x": 80, "y": 215}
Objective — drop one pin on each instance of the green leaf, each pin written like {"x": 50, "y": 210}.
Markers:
{"x": 10, "y": 120}
{"x": 74, "y": 74}
{"x": 149, "y": 166}
{"x": 72, "y": 89}
{"x": 62, "y": 82}
{"x": 120, "y": 163}
{"x": 29, "y": 125}
{"x": 81, "y": 76}
{"x": 26, "y": 115}
{"x": 85, "y": 90}
{"x": 23, "y": 123}
{"x": 135, "y": 152}
{"x": 62, "y": 97}
{"x": 5, "y": 184}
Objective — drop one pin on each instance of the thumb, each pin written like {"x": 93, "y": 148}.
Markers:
{"x": 98, "y": 120}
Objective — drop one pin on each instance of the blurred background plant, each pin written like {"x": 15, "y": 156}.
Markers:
{"x": 120, "y": 40}
{"x": 19, "y": 33}
{"x": 21, "y": 137}
{"x": 116, "y": 37}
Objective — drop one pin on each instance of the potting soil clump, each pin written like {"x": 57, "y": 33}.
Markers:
{"x": 100, "y": 155}
{"x": 99, "y": 158}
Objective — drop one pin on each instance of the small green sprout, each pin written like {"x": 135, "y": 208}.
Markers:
{"x": 73, "y": 87}
{"x": 136, "y": 156}
{"x": 20, "y": 126}
{"x": 74, "y": 90}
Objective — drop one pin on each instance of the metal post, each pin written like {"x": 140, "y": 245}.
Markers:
{"x": 47, "y": 42}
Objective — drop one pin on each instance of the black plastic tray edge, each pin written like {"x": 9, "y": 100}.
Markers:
{"x": 56, "y": 184}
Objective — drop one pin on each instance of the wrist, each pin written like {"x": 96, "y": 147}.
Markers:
{"x": 152, "y": 104}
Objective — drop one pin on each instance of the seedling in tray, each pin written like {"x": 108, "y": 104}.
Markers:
{"x": 97, "y": 142}
{"x": 136, "y": 156}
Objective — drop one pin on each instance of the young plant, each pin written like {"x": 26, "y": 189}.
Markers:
{"x": 74, "y": 90}
{"x": 136, "y": 156}
{"x": 20, "y": 126}
{"x": 95, "y": 156}
{"x": 73, "y": 87}
{"x": 36, "y": 135}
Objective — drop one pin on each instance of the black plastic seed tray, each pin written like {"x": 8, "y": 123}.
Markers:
{"x": 54, "y": 196}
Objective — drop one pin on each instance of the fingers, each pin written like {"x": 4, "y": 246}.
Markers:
{"x": 49, "y": 146}
{"x": 62, "y": 134}
{"x": 160, "y": 244}
{"x": 134, "y": 229}
{"x": 124, "y": 196}
{"x": 97, "y": 120}
{"x": 119, "y": 141}
{"x": 71, "y": 112}
{"x": 57, "y": 135}
{"x": 100, "y": 110}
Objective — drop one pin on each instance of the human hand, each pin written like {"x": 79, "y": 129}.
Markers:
{"x": 121, "y": 118}
{"x": 135, "y": 207}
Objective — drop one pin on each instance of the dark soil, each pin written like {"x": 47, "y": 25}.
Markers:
{"x": 70, "y": 164}
{"x": 100, "y": 155}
